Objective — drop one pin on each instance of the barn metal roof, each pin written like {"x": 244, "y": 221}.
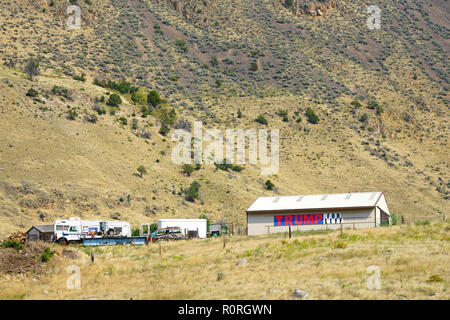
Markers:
{"x": 316, "y": 201}
{"x": 44, "y": 228}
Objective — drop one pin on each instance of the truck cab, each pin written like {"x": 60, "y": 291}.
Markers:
{"x": 66, "y": 231}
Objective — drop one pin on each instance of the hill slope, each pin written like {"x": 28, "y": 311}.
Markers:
{"x": 396, "y": 140}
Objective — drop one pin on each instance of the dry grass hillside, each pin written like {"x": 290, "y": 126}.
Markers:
{"x": 412, "y": 261}
{"x": 61, "y": 155}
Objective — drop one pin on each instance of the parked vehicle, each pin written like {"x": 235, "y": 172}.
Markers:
{"x": 76, "y": 230}
{"x": 166, "y": 234}
{"x": 214, "y": 230}
{"x": 192, "y": 228}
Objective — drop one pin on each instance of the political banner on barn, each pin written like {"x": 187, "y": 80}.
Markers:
{"x": 306, "y": 219}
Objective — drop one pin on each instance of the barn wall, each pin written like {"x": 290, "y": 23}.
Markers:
{"x": 383, "y": 206}
{"x": 33, "y": 235}
{"x": 263, "y": 223}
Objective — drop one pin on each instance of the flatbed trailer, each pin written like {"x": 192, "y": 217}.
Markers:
{"x": 106, "y": 241}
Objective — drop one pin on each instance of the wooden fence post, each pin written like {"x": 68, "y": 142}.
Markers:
{"x": 289, "y": 232}
{"x": 224, "y": 241}
{"x": 341, "y": 227}
{"x": 92, "y": 256}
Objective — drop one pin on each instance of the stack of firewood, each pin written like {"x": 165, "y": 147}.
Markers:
{"x": 18, "y": 236}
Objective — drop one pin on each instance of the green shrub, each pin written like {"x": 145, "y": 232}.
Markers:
{"x": 32, "y": 93}
{"x": 114, "y": 100}
{"x": 364, "y": 118}
{"x": 237, "y": 168}
{"x": 72, "y": 114}
{"x": 136, "y": 233}
{"x": 81, "y": 77}
{"x": 339, "y": 245}
{"x": 91, "y": 118}
{"x": 356, "y": 104}
{"x": 435, "y": 278}
{"x": 214, "y": 61}
{"x": 123, "y": 120}
{"x": 312, "y": 117}
{"x": 141, "y": 170}
{"x": 372, "y": 105}
{"x": 269, "y": 185}
{"x": 261, "y": 119}
{"x": 288, "y": 3}
{"x": 226, "y": 165}
{"x": 61, "y": 91}
{"x": 13, "y": 244}
{"x": 164, "y": 130}
{"x": 394, "y": 219}
{"x": 192, "y": 192}
{"x": 153, "y": 98}
{"x": 153, "y": 227}
{"x": 99, "y": 110}
{"x": 32, "y": 68}
{"x": 379, "y": 109}
{"x": 182, "y": 45}
{"x": 187, "y": 169}
{"x": 47, "y": 255}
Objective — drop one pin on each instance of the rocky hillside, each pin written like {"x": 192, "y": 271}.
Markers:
{"x": 380, "y": 98}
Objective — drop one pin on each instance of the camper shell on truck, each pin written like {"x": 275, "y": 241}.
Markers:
{"x": 76, "y": 230}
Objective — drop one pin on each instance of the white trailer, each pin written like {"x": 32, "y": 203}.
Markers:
{"x": 75, "y": 230}
{"x": 185, "y": 225}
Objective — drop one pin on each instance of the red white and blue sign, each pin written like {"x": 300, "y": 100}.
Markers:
{"x": 306, "y": 219}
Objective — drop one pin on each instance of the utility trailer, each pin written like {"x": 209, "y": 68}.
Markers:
{"x": 104, "y": 241}
{"x": 94, "y": 232}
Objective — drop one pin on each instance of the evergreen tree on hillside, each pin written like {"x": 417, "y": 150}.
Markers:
{"x": 32, "y": 68}
{"x": 153, "y": 98}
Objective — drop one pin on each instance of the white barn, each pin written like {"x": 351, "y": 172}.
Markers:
{"x": 319, "y": 211}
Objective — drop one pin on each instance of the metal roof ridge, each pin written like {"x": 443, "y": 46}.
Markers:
{"x": 319, "y": 194}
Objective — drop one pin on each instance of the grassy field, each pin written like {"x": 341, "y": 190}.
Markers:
{"x": 413, "y": 260}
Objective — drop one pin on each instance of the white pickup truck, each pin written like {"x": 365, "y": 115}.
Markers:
{"x": 75, "y": 230}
